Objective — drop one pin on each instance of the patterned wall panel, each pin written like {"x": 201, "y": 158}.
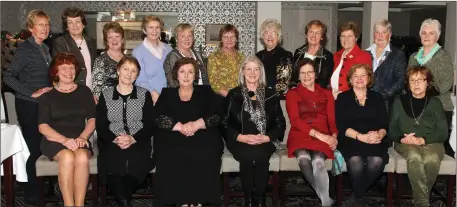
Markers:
{"x": 240, "y": 14}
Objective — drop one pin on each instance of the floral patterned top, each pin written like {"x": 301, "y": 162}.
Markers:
{"x": 104, "y": 73}
{"x": 223, "y": 70}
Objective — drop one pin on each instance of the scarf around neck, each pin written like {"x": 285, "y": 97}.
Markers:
{"x": 422, "y": 60}
{"x": 258, "y": 114}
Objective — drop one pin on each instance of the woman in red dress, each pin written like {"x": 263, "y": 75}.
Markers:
{"x": 312, "y": 137}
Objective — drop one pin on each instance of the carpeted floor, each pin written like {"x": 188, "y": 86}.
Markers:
{"x": 293, "y": 184}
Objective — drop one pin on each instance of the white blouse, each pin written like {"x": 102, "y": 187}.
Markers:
{"x": 334, "y": 80}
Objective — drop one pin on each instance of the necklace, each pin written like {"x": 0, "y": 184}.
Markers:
{"x": 65, "y": 90}
{"x": 416, "y": 120}
{"x": 314, "y": 104}
{"x": 115, "y": 57}
{"x": 79, "y": 45}
{"x": 188, "y": 54}
{"x": 358, "y": 101}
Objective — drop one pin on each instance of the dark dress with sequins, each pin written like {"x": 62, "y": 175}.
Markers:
{"x": 104, "y": 73}
{"x": 187, "y": 168}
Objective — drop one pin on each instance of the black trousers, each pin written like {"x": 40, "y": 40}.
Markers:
{"x": 447, "y": 147}
{"x": 254, "y": 166}
{"x": 123, "y": 186}
{"x": 27, "y": 115}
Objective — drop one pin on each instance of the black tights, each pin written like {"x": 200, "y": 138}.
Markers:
{"x": 363, "y": 172}
{"x": 123, "y": 187}
{"x": 254, "y": 176}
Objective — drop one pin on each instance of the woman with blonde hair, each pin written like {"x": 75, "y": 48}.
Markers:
{"x": 184, "y": 48}
{"x": 253, "y": 127}
{"x": 151, "y": 54}
{"x": 277, "y": 60}
{"x": 28, "y": 76}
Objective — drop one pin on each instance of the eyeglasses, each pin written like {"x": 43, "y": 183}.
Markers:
{"x": 411, "y": 81}
{"x": 309, "y": 73}
{"x": 313, "y": 33}
{"x": 43, "y": 25}
{"x": 266, "y": 33}
{"x": 252, "y": 69}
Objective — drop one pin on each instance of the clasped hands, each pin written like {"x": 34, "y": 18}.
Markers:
{"x": 74, "y": 144}
{"x": 372, "y": 137}
{"x": 253, "y": 139}
{"x": 124, "y": 141}
{"x": 332, "y": 141}
{"x": 412, "y": 139}
{"x": 188, "y": 129}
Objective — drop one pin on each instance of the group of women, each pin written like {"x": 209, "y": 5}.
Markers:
{"x": 188, "y": 109}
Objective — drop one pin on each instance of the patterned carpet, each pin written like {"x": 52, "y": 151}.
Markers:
{"x": 293, "y": 184}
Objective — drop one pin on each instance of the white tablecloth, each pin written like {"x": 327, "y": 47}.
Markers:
{"x": 13, "y": 144}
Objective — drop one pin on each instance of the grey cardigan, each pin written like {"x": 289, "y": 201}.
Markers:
{"x": 442, "y": 70}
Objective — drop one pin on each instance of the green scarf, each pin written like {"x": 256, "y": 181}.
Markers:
{"x": 422, "y": 60}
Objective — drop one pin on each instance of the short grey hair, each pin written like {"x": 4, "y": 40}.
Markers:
{"x": 433, "y": 22}
{"x": 255, "y": 59}
{"x": 384, "y": 23}
{"x": 271, "y": 23}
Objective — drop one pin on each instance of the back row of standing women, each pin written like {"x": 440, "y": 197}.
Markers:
{"x": 248, "y": 89}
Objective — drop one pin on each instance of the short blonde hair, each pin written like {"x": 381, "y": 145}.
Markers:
{"x": 271, "y": 23}
{"x": 254, "y": 59}
{"x": 151, "y": 18}
{"x": 31, "y": 17}
{"x": 183, "y": 26}
{"x": 383, "y": 23}
{"x": 367, "y": 69}
{"x": 433, "y": 22}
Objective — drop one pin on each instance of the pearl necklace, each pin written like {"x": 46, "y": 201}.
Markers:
{"x": 65, "y": 90}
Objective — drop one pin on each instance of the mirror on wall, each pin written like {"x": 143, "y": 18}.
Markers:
{"x": 131, "y": 22}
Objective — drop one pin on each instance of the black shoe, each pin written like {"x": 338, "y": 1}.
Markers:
{"x": 123, "y": 203}
{"x": 247, "y": 201}
{"x": 262, "y": 201}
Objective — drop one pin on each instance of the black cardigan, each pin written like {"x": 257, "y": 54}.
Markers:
{"x": 324, "y": 66}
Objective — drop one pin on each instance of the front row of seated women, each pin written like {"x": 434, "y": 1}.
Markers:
{"x": 188, "y": 124}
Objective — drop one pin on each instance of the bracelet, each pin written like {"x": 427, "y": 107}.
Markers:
{"x": 356, "y": 136}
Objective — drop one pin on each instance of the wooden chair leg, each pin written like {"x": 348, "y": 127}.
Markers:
{"x": 94, "y": 190}
{"x": 275, "y": 188}
{"x": 389, "y": 189}
{"x": 282, "y": 188}
{"x": 103, "y": 195}
{"x": 41, "y": 193}
{"x": 450, "y": 190}
{"x": 339, "y": 189}
{"x": 226, "y": 188}
{"x": 399, "y": 189}
{"x": 8, "y": 181}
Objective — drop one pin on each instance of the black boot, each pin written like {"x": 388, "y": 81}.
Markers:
{"x": 118, "y": 189}
{"x": 262, "y": 201}
{"x": 247, "y": 201}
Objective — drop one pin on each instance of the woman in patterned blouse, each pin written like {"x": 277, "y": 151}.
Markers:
{"x": 223, "y": 64}
{"x": 104, "y": 73}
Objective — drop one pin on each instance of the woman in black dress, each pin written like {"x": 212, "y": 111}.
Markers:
{"x": 67, "y": 119}
{"x": 361, "y": 120}
{"x": 253, "y": 125}
{"x": 125, "y": 128}
{"x": 187, "y": 146}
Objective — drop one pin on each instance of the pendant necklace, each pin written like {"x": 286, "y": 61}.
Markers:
{"x": 314, "y": 104}
{"x": 79, "y": 46}
{"x": 416, "y": 120}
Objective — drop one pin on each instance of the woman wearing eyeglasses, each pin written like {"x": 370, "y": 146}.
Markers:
{"x": 418, "y": 127}
{"x": 314, "y": 49}
{"x": 277, "y": 60}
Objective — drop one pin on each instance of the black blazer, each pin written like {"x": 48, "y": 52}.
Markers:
{"x": 389, "y": 77}
{"x": 324, "y": 66}
{"x": 65, "y": 43}
{"x": 232, "y": 124}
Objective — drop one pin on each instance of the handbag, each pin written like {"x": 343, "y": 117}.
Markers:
{"x": 337, "y": 163}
